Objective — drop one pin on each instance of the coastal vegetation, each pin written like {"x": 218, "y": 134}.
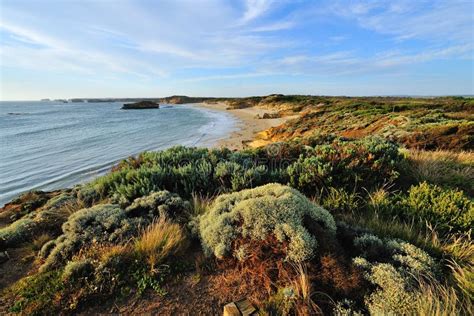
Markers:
{"x": 357, "y": 206}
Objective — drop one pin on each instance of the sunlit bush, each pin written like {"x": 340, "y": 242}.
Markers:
{"x": 448, "y": 209}
{"x": 395, "y": 271}
{"x": 366, "y": 163}
{"x": 256, "y": 214}
{"x": 109, "y": 223}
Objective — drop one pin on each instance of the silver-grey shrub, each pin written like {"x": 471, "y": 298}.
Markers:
{"x": 396, "y": 279}
{"x": 256, "y": 214}
{"x": 108, "y": 223}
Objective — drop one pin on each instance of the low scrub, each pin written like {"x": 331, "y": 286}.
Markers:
{"x": 109, "y": 223}
{"x": 260, "y": 213}
{"x": 448, "y": 209}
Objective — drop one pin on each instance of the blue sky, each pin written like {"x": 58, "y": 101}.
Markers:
{"x": 115, "y": 48}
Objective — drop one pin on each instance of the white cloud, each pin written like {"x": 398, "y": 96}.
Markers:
{"x": 437, "y": 20}
{"x": 254, "y": 9}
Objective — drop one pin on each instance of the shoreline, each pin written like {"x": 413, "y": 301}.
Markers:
{"x": 248, "y": 125}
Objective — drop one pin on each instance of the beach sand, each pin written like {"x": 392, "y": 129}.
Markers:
{"x": 248, "y": 125}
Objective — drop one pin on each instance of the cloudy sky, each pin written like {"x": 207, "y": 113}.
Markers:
{"x": 115, "y": 48}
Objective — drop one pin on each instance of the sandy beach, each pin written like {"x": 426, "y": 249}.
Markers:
{"x": 249, "y": 125}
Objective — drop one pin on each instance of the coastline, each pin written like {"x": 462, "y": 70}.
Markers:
{"x": 248, "y": 125}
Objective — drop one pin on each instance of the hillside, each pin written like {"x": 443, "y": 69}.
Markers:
{"x": 358, "y": 206}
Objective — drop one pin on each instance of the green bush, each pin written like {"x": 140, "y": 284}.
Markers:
{"x": 338, "y": 200}
{"x": 47, "y": 218}
{"x": 338, "y": 163}
{"x": 272, "y": 209}
{"x": 394, "y": 295}
{"x": 108, "y": 223}
{"x": 395, "y": 268}
{"x": 75, "y": 270}
{"x": 17, "y": 232}
{"x": 161, "y": 204}
{"x": 366, "y": 163}
{"x": 448, "y": 209}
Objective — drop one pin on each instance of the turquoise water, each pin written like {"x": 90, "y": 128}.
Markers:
{"x": 51, "y": 145}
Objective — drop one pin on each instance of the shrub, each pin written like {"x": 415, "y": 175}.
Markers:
{"x": 162, "y": 204}
{"x": 395, "y": 273}
{"x": 193, "y": 170}
{"x": 108, "y": 223}
{"x": 46, "y": 219}
{"x": 75, "y": 270}
{"x": 338, "y": 200}
{"x": 447, "y": 209}
{"x": 272, "y": 209}
{"x": 345, "y": 164}
{"x": 159, "y": 241}
{"x": 17, "y": 232}
{"x": 394, "y": 295}
{"x": 101, "y": 223}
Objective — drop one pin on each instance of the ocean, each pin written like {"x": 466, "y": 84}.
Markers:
{"x": 52, "y": 145}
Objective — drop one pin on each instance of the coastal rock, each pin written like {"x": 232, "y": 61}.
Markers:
{"x": 141, "y": 105}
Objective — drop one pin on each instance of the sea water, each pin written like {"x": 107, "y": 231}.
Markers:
{"x": 52, "y": 145}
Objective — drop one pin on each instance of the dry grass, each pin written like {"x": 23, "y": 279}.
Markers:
{"x": 303, "y": 289}
{"x": 73, "y": 206}
{"x": 443, "y": 168}
{"x": 159, "y": 241}
{"x": 39, "y": 241}
{"x": 437, "y": 299}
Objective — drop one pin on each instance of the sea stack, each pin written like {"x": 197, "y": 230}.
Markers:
{"x": 141, "y": 105}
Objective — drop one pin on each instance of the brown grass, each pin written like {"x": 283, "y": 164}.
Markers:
{"x": 39, "y": 241}
{"x": 339, "y": 277}
{"x": 260, "y": 274}
{"x": 161, "y": 240}
{"x": 444, "y": 168}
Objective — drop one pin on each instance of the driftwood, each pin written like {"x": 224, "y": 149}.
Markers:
{"x": 242, "y": 307}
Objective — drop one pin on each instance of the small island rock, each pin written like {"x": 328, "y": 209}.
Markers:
{"x": 141, "y": 105}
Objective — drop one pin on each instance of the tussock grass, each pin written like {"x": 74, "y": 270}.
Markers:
{"x": 437, "y": 299}
{"x": 304, "y": 291}
{"x": 159, "y": 241}
{"x": 455, "y": 169}
{"x": 200, "y": 203}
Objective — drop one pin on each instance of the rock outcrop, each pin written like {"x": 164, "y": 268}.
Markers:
{"x": 141, "y": 105}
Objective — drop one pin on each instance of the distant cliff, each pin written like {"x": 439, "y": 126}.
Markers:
{"x": 174, "y": 99}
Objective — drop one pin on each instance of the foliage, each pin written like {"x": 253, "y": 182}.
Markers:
{"x": 338, "y": 200}
{"x": 75, "y": 270}
{"x": 346, "y": 164}
{"x": 159, "y": 204}
{"x": 45, "y": 219}
{"x": 271, "y": 209}
{"x": 17, "y": 232}
{"x": 35, "y": 293}
{"x": 108, "y": 223}
{"x": 395, "y": 272}
{"x": 446, "y": 208}
{"x": 322, "y": 162}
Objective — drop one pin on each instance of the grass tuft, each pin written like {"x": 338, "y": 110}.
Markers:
{"x": 159, "y": 241}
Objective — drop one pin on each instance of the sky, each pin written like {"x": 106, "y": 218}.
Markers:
{"x": 154, "y": 48}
